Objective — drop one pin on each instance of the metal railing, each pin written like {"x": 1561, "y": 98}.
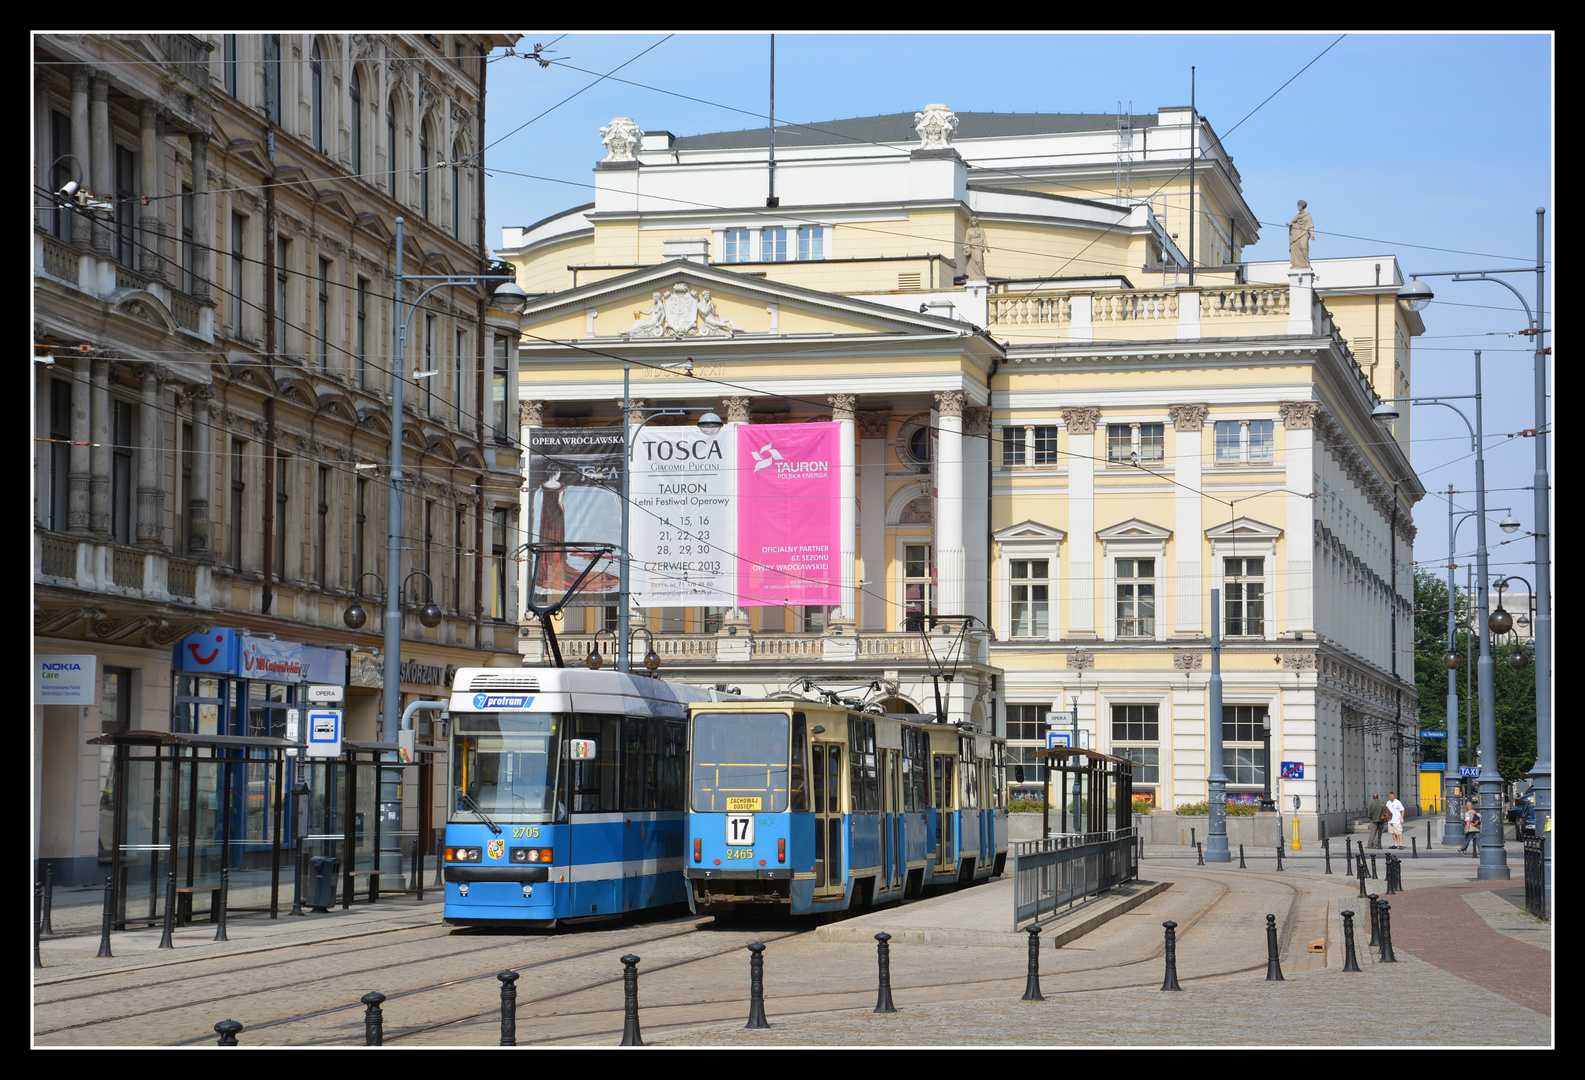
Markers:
{"x": 1050, "y": 873}
{"x": 1534, "y": 881}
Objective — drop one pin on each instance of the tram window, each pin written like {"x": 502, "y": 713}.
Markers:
{"x": 673, "y": 766}
{"x": 864, "y": 776}
{"x": 799, "y": 781}
{"x": 596, "y": 785}
{"x": 503, "y": 765}
{"x": 740, "y": 761}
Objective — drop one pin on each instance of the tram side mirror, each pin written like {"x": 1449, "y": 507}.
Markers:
{"x": 581, "y": 749}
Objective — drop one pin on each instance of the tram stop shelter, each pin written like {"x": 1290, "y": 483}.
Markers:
{"x": 1093, "y": 792}
{"x": 193, "y": 804}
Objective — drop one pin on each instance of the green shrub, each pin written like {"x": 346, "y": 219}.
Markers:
{"x": 1025, "y": 806}
{"x": 1143, "y": 806}
{"x": 1200, "y": 809}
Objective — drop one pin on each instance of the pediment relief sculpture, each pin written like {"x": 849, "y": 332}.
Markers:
{"x": 683, "y": 312}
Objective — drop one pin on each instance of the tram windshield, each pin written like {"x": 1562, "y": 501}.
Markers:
{"x": 740, "y": 761}
{"x": 503, "y": 766}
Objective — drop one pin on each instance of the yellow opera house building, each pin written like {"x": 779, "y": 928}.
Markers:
{"x": 1067, "y": 409}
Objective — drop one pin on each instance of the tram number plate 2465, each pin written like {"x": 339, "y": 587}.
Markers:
{"x": 740, "y": 830}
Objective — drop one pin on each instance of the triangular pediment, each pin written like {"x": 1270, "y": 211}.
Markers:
{"x": 1243, "y": 529}
{"x": 626, "y": 308}
{"x": 336, "y": 202}
{"x": 1029, "y": 531}
{"x": 374, "y": 225}
{"x": 1134, "y": 529}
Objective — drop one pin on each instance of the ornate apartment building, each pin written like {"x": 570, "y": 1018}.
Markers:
{"x": 214, "y": 246}
{"x": 1068, "y": 408}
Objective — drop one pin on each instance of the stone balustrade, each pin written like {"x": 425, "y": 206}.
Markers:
{"x": 1123, "y": 314}
{"x": 95, "y": 565}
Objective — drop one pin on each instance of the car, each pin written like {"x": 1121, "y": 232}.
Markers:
{"x": 1521, "y": 815}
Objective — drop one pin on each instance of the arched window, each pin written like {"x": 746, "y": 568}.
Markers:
{"x": 423, "y": 170}
{"x": 357, "y": 123}
{"x": 316, "y": 73}
{"x": 390, "y": 143}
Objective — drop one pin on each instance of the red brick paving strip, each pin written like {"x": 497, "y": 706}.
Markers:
{"x": 1437, "y": 926}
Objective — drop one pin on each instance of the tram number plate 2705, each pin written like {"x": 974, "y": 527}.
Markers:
{"x": 740, "y": 830}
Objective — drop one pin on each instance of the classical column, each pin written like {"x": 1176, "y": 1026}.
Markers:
{"x": 949, "y": 502}
{"x": 79, "y": 470}
{"x": 737, "y": 409}
{"x": 82, "y": 154}
{"x": 530, "y": 414}
{"x": 1190, "y": 590}
{"x": 151, "y": 258}
{"x": 203, "y": 214}
{"x": 976, "y": 513}
{"x": 872, "y": 431}
{"x": 151, "y": 499}
{"x": 197, "y": 508}
{"x": 99, "y": 455}
{"x": 1080, "y": 420}
{"x": 101, "y": 154}
{"x": 842, "y": 413}
{"x": 1298, "y": 422}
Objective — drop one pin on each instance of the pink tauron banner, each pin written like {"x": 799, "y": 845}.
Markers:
{"x": 788, "y": 516}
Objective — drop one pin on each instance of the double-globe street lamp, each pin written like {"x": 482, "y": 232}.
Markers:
{"x": 1493, "y": 858}
{"x": 1452, "y": 661}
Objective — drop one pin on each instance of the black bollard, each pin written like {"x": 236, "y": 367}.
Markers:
{"x": 1192, "y": 838}
{"x": 1414, "y": 848}
{"x": 508, "y": 1002}
{"x": 1392, "y": 875}
{"x": 756, "y": 987}
{"x": 1350, "y": 961}
{"x": 1362, "y": 881}
{"x": 1375, "y": 922}
{"x": 1199, "y": 853}
{"x": 228, "y": 1032}
{"x": 1171, "y": 981}
{"x": 109, "y": 916}
{"x": 49, "y": 895}
{"x": 1279, "y": 857}
{"x": 373, "y": 1019}
{"x": 630, "y": 1032}
{"x": 1348, "y": 851}
{"x": 439, "y": 880}
{"x": 1373, "y": 868}
{"x": 1427, "y": 835}
{"x": 1387, "y": 955}
{"x": 883, "y": 953}
{"x": 1273, "y": 967}
{"x": 1241, "y": 865}
{"x": 418, "y": 870}
{"x": 1326, "y": 849}
{"x": 38, "y": 922}
{"x": 225, "y": 890}
{"x": 170, "y": 912}
{"x": 1032, "y": 984}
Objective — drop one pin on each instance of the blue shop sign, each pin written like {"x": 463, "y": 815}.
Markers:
{"x": 226, "y": 652}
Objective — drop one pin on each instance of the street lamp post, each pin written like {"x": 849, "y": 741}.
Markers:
{"x": 507, "y": 297}
{"x": 1418, "y": 294}
{"x": 1493, "y": 858}
{"x": 709, "y": 423}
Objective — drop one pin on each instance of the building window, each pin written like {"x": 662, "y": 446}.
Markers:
{"x": 359, "y": 534}
{"x": 458, "y": 545}
{"x": 1031, "y": 597}
{"x": 1030, "y": 444}
{"x": 737, "y": 246}
{"x": 282, "y": 471}
{"x": 283, "y": 254}
{"x": 1014, "y": 449}
{"x": 423, "y": 170}
{"x": 272, "y": 77}
{"x": 184, "y": 495}
{"x": 1026, "y": 733}
{"x": 919, "y": 572}
{"x": 322, "y": 315}
{"x": 1136, "y": 735}
{"x": 1135, "y": 444}
{"x": 121, "y": 472}
{"x": 773, "y": 245}
{"x": 187, "y": 240}
{"x": 361, "y": 333}
{"x": 238, "y": 490}
{"x": 355, "y": 115}
{"x": 1136, "y": 598}
{"x": 811, "y": 243}
{"x": 1244, "y": 596}
{"x": 390, "y": 145}
{"x": 500, "y": 372}
{"x": 316, "y": 97}
{"x": 239, "y": 228}
{"x": 1243, "y": 744}
{"x": 322, "y": 526}
{"x": 1245, "y": 442}
{"x": 228, "y": 62}
{"x": 429, "y": 364}
{"x": 813, "y": 618}
{"x": 61, "y": 171}
{"x": 459, "y": 362}
{"x": 456, "y": 191}
{"x": 711, "y": 619}
{"x": 126, "y": 207}
{"x": 498, "y": 540}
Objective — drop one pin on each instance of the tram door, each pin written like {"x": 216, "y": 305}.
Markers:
{"x": 896, "y": 810}
{"x": 943, "y": 779}
{"x": 886, "y": 815}
{"x": 826, "y": 774}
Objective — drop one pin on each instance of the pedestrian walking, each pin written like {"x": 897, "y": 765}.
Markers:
{"x": 1395, "y": 813}
{"x": 1471, "y": 829}
{"x": 1377, "y": 813}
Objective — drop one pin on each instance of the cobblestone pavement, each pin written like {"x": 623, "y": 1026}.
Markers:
{"x": 958, "y": 969}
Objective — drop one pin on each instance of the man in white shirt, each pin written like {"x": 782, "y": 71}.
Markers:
{"x": 1395, "y": 822}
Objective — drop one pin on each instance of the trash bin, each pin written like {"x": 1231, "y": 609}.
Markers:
{"x": 323, "y": 873}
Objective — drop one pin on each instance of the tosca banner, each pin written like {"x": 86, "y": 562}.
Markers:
{"x": 747, "y": 517}
{"x": 575, "y": 494}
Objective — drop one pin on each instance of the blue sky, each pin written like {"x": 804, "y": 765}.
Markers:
{"x": 1434, "y": 147}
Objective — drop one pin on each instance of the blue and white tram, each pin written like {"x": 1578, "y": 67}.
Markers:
{"x": 803, "y": 807}
{"x": 567, "y": 794}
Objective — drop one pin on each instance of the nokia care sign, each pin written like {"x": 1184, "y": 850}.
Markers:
{"x": 65, "y": 680}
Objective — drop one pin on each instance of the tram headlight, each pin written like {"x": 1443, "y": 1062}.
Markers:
{"x": 464, "y": 854}
{"x": 531, "y": 855}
